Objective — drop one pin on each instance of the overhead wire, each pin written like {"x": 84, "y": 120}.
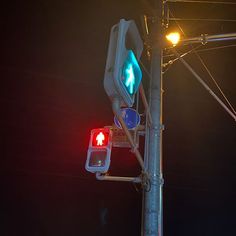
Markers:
{"x": 215, "y": 82}
{"x": 214, "y": 48}
{"x": 169, "y": 63}
{"x": 208, "y": 71}
{"x": 199, "y": 1}
{"x": 201, "y": 19}
{"x": 205, "y": 49}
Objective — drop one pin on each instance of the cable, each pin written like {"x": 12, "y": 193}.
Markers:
{"x": 216, "y": 84}
{"x": 198, "y": 1}
{"x": 182, "y": 55}
{"x": 214, "y": 48}
{"x": 201, "y": 19}
{"x": 205, "y": 49}
{"x": 208, "y": 71}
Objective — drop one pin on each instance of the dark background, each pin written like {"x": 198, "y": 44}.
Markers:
{"x": 53, "y": 56}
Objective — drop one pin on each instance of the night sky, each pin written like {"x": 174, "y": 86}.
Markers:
{"x": 53, "y": 56}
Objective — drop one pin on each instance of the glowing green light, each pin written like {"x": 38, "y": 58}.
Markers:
{"x": 132, "y": 74}
{"x": 130, "y": 81}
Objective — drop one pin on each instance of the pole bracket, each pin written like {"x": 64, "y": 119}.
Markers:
{"x": 162, "y": 127}
{"x": 204, "y": 39}
{"x": 146, "y": 183}
{"x": 106, "y": 176}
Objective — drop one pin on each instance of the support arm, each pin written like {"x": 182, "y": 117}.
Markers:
{"x": 117, "y": 112}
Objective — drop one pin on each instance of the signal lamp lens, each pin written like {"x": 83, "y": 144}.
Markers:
{"x": 98, "y": 158}
{"x": 100, "y": 139}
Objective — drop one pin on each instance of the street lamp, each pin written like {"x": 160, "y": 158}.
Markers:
{"x": 173, "y": 37}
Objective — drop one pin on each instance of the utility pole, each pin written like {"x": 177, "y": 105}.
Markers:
{"x": 153, "y": 205}
{"x": 120, "y": 58}
{"x": 153, "y": 197}
{"x": 124, "y": 52}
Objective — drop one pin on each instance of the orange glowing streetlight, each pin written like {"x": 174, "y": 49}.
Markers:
{"x": 173, "y": 37}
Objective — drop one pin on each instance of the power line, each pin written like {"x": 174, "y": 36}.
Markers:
{"x": 214, "y": 48}
{"x": 216, "y": 84}
{"x": 209, "y": 73}
{"x": 204, "y": 49}
{"x": 201, "y": 19}
{"x": 170, "y": 62}
{"x": 198, "y": 1}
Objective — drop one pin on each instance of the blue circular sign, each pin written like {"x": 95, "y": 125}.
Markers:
{"x": 130, "y": 117}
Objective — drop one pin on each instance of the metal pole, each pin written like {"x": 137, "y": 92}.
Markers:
{"x": 204, "y": 38}
{"x": 152, "y": 215}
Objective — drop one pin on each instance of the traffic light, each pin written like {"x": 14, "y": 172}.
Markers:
{"x": 99, "y": 151}
{"x": 122, "y": 73}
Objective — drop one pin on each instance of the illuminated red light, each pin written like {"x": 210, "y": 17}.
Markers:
{"x": 99, "y": 151}
{"x": 100, "y": 138}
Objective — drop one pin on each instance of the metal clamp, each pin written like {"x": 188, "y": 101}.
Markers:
{"x": 146, "y": 183}
{"x": 204, "y": 39}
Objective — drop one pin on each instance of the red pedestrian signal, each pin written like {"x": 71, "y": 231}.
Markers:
{"x": 99, "y": 151}
{"x": 100, "y": 138}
